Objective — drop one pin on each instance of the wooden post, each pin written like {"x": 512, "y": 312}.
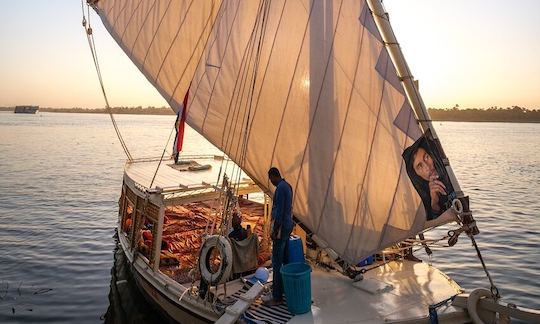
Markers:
{"x": 158, "y": 237}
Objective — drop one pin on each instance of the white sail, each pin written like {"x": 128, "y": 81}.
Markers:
{"x": 306, "y": 86}
{"x": 164, "y": 38}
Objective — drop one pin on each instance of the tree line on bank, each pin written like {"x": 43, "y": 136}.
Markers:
{"x": 492, "y": 114}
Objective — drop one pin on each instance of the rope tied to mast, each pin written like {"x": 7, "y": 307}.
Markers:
{"x": 92, "y": 45}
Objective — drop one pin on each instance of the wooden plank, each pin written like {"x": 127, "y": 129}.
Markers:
{"x": 233, "y": 312}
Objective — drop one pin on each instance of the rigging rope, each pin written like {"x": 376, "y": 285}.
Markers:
{"x": 92, "y": 45}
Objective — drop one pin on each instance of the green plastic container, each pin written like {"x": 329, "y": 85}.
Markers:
{"x": 297, "y": 286}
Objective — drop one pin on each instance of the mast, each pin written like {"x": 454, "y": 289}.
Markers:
{"x": 461, "y": 204}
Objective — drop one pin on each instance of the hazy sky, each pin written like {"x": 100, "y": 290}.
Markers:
{"x": 474, "y": 53}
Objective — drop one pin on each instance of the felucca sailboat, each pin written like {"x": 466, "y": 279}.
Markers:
{"x": 319, "y": 89}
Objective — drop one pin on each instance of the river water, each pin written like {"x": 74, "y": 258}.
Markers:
{"x": 61, "y": 175}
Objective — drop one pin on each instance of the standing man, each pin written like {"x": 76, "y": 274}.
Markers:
{"x": 282, "y": 226}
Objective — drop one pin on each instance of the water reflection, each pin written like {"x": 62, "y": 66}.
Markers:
{"x": 126, "y": 302}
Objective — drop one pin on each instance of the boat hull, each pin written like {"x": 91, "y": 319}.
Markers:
{"x": 170, "y": 310}
{"x": 165, "y": 302}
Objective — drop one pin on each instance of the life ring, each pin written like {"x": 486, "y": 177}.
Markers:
{"x": 472, "y": 303}
{"x": 224, "y": 248}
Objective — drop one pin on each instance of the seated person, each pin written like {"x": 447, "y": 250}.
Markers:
{"x": 238, "y": 232}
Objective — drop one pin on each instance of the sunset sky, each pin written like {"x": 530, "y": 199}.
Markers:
{"x": 469, "y": 52}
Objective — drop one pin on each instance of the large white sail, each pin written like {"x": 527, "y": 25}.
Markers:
{"x": 306, "y": 86}
{"x": 164, "y": 38}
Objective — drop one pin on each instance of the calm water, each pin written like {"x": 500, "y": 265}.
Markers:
{"x": 60, "y": 179}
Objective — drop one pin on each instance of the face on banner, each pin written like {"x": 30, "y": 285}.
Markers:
{"x": 429, "y": 177}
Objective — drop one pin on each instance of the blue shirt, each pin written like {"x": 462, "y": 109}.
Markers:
{"x": 282, "y": 207}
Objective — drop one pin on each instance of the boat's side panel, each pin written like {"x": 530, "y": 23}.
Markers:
{"x": 165, "y": 306}
{"x": 185, "y": 311}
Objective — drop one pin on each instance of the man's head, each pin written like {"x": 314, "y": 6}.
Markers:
{"x": 236, "y": 219}
{"x": 274, "y": 176}
{"x": 423, "y": 164}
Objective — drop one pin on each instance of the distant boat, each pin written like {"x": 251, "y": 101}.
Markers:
{"x": 26, "y": 109}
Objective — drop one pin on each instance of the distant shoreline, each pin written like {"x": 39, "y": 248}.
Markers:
{"x": 513, "y": 114}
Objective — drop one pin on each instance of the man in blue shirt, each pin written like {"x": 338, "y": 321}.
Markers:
{"x": 282, "y": 226}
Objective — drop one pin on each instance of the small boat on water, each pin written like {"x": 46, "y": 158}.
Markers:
{"x": 26, "y": 109}
{"x": 321, "y": 90}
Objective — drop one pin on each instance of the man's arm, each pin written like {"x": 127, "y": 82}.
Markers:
{"x": 277, "y": 211}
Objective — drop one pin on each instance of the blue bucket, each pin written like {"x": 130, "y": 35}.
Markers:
{"x": 296, "y": 250}
{"x": 297, "y": 285}
{"x": 367, "y": 261}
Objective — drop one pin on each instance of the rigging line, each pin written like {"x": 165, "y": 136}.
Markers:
{"x": 286, "y": 104}
{"x": 241, "y": 76}
{"x": 266, "y": 70}
{"x": 162, "y": 155}
{"x": 82, "y": 7}
{"x": 249, "y": 105}
{"x": 254, "y": 80}
{"x": 240, "y": 87}
{"x": 239, "y": 82}
{"x": 98, "y": 70}
{"x": 494, "y": 289}
{"x": 93, "y": 50}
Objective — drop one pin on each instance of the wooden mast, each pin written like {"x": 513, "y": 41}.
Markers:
{"x": 394, "y": 50}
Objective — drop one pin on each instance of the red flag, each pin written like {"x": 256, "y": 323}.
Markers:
{"x": 180, "y": 126}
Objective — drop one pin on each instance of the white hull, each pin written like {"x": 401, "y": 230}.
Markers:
{"x": 165, "y": 299}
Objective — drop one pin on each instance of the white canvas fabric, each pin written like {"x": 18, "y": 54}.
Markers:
{"x": 305, "y": 86}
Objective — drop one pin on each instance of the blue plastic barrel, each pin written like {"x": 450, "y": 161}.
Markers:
{"x": 367, "y": 261}
{"x": 296, "y": 250}
{"x": 297, "y": 285}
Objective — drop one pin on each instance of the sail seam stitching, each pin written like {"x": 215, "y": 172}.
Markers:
{"x": 196, "y": 46}
{"x": 129, "y": 21}
{"x": 316, "y": 107}
{"x": 383, "y": 233}
{"x": 119, "y": 13}
{"x": 222, "y": 58}
{"x": 219, "y": 71}
{"x": 155, "y": 34}
{"x": 173, "y": 42}
{"x": 367, "y": 164}
{"x": 140, "y": 29}
{"x": 342, "y": 128}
